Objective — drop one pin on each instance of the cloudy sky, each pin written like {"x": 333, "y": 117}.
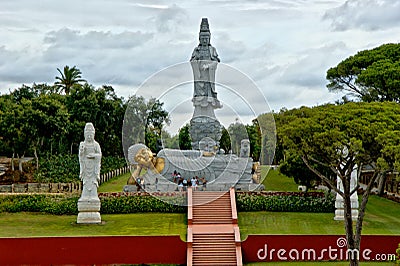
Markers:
{"x": 284, "y": 46}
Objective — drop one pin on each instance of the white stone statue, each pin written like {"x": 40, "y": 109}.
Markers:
{"x": 90, "y": 162}
{"x": 245, "y": 148}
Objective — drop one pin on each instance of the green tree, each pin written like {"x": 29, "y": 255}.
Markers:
{"x": 68, "y": 78}
{"x": 225, "y": 141}
{"x": 237, "y": 132}
{"x": 143, "y": 122}
{"x": 370, "y": 75}
{"x": 103, "y": 108}
{"x": 185, "y": 141}
{"x": 157, "y": 118}
{"x": 168, "y": 141}
{"x": 254, "y": 135}
{"x": 342, "y": 138}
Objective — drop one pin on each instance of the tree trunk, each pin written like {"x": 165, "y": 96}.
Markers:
{"x": 20, "y": 164}
{"x": 348, "y": 220}
{"x": 36, "y": 158}
{"x": 12, "y": 161}
{"x": 382, "y": 183}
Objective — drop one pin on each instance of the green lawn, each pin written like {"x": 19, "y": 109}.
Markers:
{"x": 116, "y": 184}
{"x": 275, "y": 181}
{"x": 35, "y": 224}
{"x": 382, "y": 217}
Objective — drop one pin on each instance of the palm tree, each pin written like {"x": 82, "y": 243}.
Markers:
{"x": 69, "y": 77}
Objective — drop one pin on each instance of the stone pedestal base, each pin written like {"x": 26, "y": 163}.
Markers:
{"x": 202, "y": 127}
{"x": 339, "y": 205}
{"x": 89, "y": 211}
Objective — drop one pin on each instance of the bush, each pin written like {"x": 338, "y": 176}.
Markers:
{"x": 52, "y": 204}
{"x": 59, "y": 204}
{"x": 294, "y": 202}
{"x": 125, "y": 203}
{"x": 121, "y": 203}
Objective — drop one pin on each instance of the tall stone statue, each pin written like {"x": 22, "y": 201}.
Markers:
{"x": 89, "y": 161}
{"x": 204, "y": 62}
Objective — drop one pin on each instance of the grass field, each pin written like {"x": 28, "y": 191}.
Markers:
{"x": 35, "y": 224}
{"x": 382, "y": 217}
{"x": 275, "y": 181}
{"x": 116, "y": 184}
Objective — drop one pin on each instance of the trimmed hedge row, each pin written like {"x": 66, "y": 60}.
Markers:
{"x": 57, "y": 204}
{"x": 288, "y": 203}
{"x": 121, "y": 203}
{"x": 67, "y": 205}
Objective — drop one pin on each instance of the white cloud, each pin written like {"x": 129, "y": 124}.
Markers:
{"x": 369, "y": 15}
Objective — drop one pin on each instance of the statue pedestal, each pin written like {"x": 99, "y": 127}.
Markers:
{"x": 89, "y": 211}
{"x": 203, "y": 127}
{"x": 339, "y": 203}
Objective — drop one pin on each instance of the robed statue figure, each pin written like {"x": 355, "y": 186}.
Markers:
{"x": 89, "y": 161}
{"x": 204, "y": 62}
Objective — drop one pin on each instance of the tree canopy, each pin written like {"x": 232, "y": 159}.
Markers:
{"x": 343, "y": 138}
{"x": 68, "y": 78}
{"x": 370, "y": 75}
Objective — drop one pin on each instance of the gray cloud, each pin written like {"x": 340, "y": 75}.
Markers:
{"x": 369, "y": 15}
{"x": 96, "y": 39}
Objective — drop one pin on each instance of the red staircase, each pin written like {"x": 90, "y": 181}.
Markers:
{"x": 213, "y": 233}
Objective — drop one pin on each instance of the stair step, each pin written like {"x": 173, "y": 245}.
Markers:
{"x": 212, "y": 208}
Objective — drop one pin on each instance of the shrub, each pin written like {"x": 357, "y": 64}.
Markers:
{"x": 59, "y": 204}
{"x": 53, "y": 204}
{"x": 121, "y": 203}
{"x": 296, "y": 202}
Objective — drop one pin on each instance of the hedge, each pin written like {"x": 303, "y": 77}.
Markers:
{"x": 120, "y": 203}
{"x": 67, "y": 204}
{"x": 283, "y": 202}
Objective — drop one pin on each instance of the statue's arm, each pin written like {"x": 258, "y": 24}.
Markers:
{"x": 195, "y": 54}
{"x": 81, "y": 159}
{"x": 214, "y": 54}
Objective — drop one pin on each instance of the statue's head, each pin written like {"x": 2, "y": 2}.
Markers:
{"x": 205, "y": 34}
{"x": 89, "y": 132}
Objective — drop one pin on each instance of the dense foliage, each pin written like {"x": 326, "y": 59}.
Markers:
{"x": 124, "y": 203}
{"x": 36, "y": 121}
{"x": 342, "y": 138}
{"x": 285, "y": 203}
{"x": 65, "y": 168}
{"x": 370, "y": 75}
{"x": 67, "y": 204}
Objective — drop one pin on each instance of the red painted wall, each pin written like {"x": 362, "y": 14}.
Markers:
{"x": 172, "y": 250}
{"x": 93, "y": 250}
{"x": 315, "y": 247}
